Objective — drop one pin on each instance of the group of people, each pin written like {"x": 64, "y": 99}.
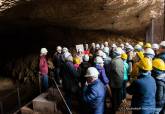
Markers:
{"x": 105, "y": 72}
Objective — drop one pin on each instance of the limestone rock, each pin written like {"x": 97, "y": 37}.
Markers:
{"x": 127, "y": 16}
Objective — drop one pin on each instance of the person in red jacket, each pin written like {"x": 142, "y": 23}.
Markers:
{"x": 43, "y": 69}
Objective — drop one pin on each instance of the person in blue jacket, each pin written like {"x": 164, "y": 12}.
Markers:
{"x": 159, "y": 75}
{"x": 93, "y": 93}
{"x": 143, "y": 89}
{"x": 102, "y": 75}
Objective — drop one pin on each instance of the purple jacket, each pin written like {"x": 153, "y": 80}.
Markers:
{"x": 102, "y": 74}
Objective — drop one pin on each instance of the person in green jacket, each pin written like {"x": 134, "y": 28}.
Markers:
{"x": 126, "y": 70}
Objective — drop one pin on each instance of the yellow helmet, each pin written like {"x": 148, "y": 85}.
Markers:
{"x": 145, "y": 64}
{"x": 124, "y": 56}
{"x": 141, "y": 43}
{"x": 76, "y": 60}
{"x": 140, "y": 55}
{"x": 148, "y": 45}
{"x": 158, "y": 64}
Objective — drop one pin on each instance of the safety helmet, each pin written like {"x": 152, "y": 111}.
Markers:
{"x": 97, "y": 46}
{"x": 126, "y": 43}
{"x": 122, "y": 46}
{"x": 92, "y": 72}
{"x": 145, "y": 64}
{"x": 99, "y": 60}
{"x": 141, "y": 44}
{"x": 155, "y": 46}
{"x": 86, "y": 58}
{"x": 114, "y": 46}
{"x": 147, "y": 45}
{"x": 43, "y": 51}
{"x": 59, "y": 48}
{"x": 99, "y": 53}
{"x": 76, "y": 60}
{"x": 106, "y": 44}
{"x": 80, "y": 50}
{"x": 158, "y": 64}
{"x": 65, "y": 50}
{"x": 129, "y": 48}
{"x": 149, "y": 51}
{"x": 162, "y": 44}
{"x": 138, "y": 47}
{"x": 140, "y": 55}
{"x": 124, "y": 56}
{"x": 118, "y": 50}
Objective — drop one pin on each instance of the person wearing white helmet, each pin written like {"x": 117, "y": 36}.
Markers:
{"x": 58, "y": 61}
{"x": 66, "y": 53}
{"x": 93, "y": 48}
{"x": 122, "y": 46}
{"x": 97, "y": 47}
{"x": 113, "y": 47}
{"x": 102, "y": 74}
{"x": 155, "y": 47}
{"x": 102, "y": 46}
{"x": 149, "y": 53}
{"x": 116, "y": 79}
{"x": 69, "y": 80}
{"x": 161, "y": 54}
{"x": 138, "y": 48}
{"x": 94, "y": 93}
{"x": 106, "y": 50}
{"x": 86, "y": 51}
{"x": 84, "y": 66}
{"x": 43, "y": 69}
{"x": 106, "y": 44}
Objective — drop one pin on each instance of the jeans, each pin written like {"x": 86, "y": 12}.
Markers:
{"x": 44, "y": 82}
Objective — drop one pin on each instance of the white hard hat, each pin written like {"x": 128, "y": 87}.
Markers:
{"x": 149, "y": 51}
{"x": 129, "y": 48}
{"x": 100, "y": 53}
{"x": 121, "y": 45}
{"x": 43, "y": 51}
{"x": 126, "y": 43}
{"x": 92, "y": 72}
{"x": 118, "y": 51}
{"x": 114, "y": 46}
{"x": 106, "y": 50}
{"x": 59, "y": 48}
{"x": 97, "y": 45}
{"x": 106, "y": 43}
{"x": 80, "y": 50}
{"x": 155, "y": 46}
{"x": 86, "y": 58}
{"x": 67, "y": 54}
{"x": 99, "y": 60}
{"x": 138, "y": 47}
{"x": 162, "y": 44}
{"x": 65, "y": 49}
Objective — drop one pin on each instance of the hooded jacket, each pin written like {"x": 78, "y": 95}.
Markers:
{"x": 102, "y": 75}
{"x": 160, "y": 92}
{"x": 94, "y": 97}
